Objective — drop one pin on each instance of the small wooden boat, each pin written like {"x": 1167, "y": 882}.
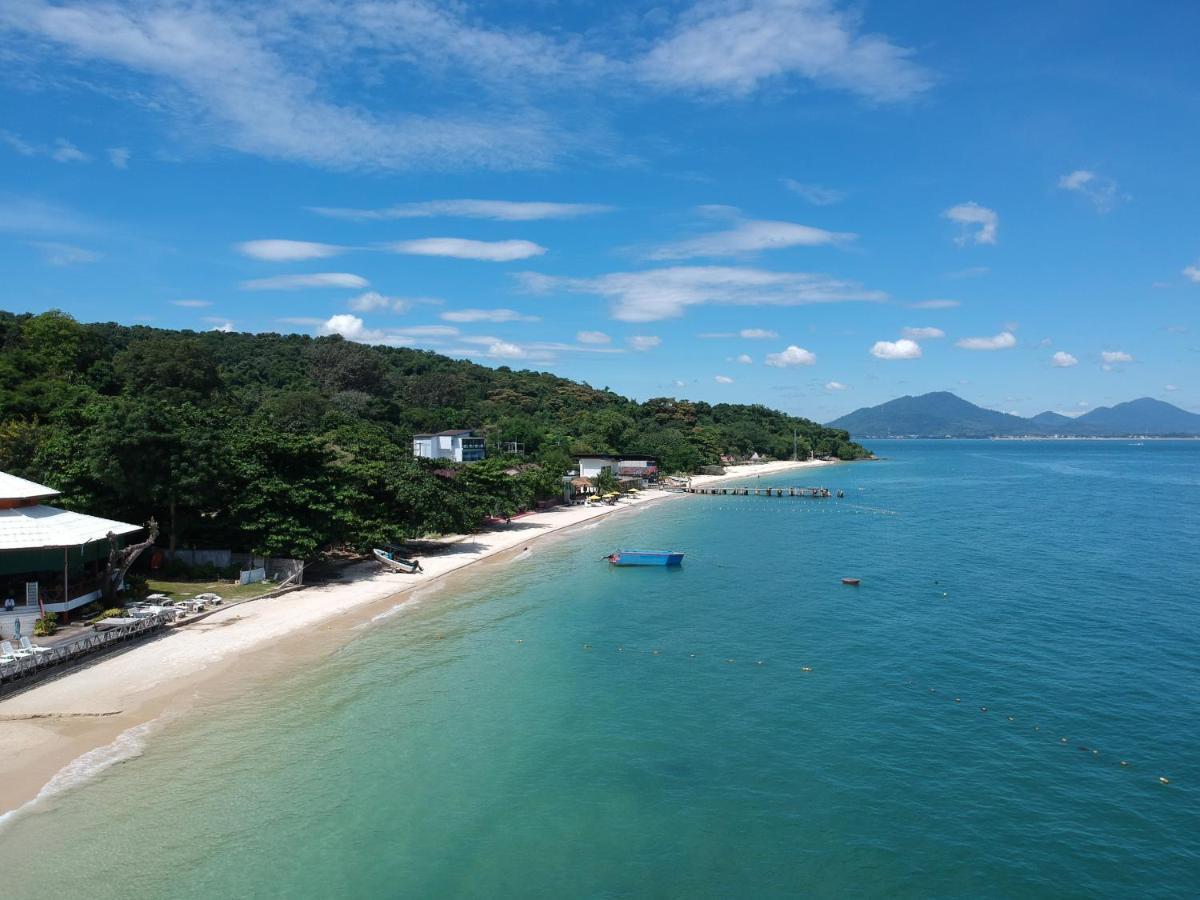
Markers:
{"x": 645, "y": 558}
{"x": 851, "y": 581}
{"x": 396, "y": 563}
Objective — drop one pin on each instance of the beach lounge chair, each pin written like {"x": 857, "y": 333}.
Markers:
{"x": 27, "y": 644}
{"x": 8, "y": 651}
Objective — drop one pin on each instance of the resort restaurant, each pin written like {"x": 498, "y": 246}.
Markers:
{"x": 51, "y": 559}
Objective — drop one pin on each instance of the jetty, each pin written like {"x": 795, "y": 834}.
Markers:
{"x": 817, "y": 492}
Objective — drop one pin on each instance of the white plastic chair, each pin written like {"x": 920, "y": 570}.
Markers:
{"x": 31, "y": 647}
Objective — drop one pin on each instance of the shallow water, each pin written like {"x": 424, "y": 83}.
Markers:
{"x": 559, "y": 727}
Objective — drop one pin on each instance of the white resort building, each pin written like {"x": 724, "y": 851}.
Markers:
{"x": 461, "y": 445}
{"x": 51, "y": 559}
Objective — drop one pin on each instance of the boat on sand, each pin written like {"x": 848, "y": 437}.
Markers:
{"x": 396, "y": 563}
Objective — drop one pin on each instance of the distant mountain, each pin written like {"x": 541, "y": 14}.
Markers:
{"x": 942, "y": 414}
{"x": 1144, "y": 416}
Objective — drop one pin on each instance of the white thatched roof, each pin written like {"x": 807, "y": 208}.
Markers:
{"x": 45, "y": 527}
{"x": 14, "y": 488}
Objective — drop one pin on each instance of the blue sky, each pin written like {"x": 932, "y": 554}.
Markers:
{"x": 804, "y": 203}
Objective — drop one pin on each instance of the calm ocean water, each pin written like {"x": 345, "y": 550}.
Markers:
{"x": 559, "y": 728}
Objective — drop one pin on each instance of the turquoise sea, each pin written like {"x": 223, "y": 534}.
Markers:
{"x": 1029, "y": 617}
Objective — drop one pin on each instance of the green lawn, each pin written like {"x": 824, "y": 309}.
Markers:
{"x": 182, "y": 590}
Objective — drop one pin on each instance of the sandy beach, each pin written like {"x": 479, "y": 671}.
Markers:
{"x": 44, "y": 729}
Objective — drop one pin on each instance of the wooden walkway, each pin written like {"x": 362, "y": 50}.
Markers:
{"x": 817, "y": 492}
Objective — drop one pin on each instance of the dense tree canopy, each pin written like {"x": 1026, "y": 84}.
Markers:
{"x": 286, "y": 444}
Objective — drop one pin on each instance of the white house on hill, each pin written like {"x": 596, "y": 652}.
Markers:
{"x": 461, "y": 445}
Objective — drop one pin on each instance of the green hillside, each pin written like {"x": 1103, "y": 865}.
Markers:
{"x": 288, "y": 445}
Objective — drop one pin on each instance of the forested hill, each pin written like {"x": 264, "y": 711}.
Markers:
{"x": 287, "y": 444}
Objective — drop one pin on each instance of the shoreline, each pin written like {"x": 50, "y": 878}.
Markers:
{"x": 47, "y": 729}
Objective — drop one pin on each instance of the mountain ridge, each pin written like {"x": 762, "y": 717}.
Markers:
{"x": 945, "y": 414}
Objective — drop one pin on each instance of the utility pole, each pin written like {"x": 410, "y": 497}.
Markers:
{"x": 795, "y": 447}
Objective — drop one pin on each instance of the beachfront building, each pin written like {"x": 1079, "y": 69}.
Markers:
{"x": 51, "y": 559}
{"x": 644, "y": 468}
{"x": 460, "y": 445}
{"x": 592, "y": 466}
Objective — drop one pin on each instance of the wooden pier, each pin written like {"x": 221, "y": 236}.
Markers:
{"x": 815, "y": 492}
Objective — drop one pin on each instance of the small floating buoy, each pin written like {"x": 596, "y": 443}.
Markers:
{"x": 519, "y": 641}
{"x": 1095, "y": 753}
{"x": 1163, "y": 779}
{"x": 730, "y": 660}
{"x": 1011, "y": 719}
{"x": 958, "y": 699}
{"x": 806, "y": 669}
{"x": 656, "y": 652}
{"x": 760, "y": 662}
{"x": 1062, "y": 740}
{"x": 692, "y": 655}
{"x": 620, "y": 649}
{"x": 587, "y": 646}
{"x": 983, "y": 709}
{"x": 1124, "y": 763}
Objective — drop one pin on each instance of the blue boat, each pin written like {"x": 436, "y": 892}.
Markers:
{"x": 645, "y": 558}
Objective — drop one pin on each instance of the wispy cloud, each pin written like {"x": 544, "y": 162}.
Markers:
{"x": 461, "y": 248}
{"x": 287, "y": 251}
{"x": 1100, "y": 190}
{"x": 751, "y": 236}
{"x": 757, "y": 334}
{"x": 314, "y": 280}
{"x": 977, "y": 224}
{"x": 592, "y": 337}
{"x": 922, "y": 334}
{"x": 1002, "y": 341}
{"x": 791, "y": 356}
{"x": 501, "y": 210}
{"x": 901, "y": 349}
{"x": 24, "y": 215}
{"x": 191, "y": 304}
{"x": 835, "y": 386}
{"x": 744, "y": 358}
{"x": 816, "y": 194}
{"x": 58, "y": 254}
{"x": 370, "y": 301}
{"x": 1192, "y": 273}
{"x": 487, "y": 315}
{"x": 667, "y": 293}
{"x": 61, "y": 150}
{"x": 66, "y": 152}
{"x": 934, "y": 304}
{"x": 1063, "y": 360}
{"x": 1111, "y": 357}
{"x": 736, "y": 46}
{"x": 119, "y": 157}
{"x": 722, "y": 379}
{"x": 644, "y": 341}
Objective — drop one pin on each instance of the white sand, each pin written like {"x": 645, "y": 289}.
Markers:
{"x": 46, "y": 727}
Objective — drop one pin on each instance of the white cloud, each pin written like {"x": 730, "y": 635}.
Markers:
{"x": 260, "y": 79}
{"x": 502, "y": 210}
{"x": 934, "y": 304}
{"x": 19, "y": 144}
{"x": 31, "y": 216}
{"x": 119, "y": 157}
{"x": 754, "y": 334}
{"x": 505, "y": 350}
{"x": 977, "y": 224}
{"x": 1112, "y": 357}
{"x": 461, "y": 248}
{"x": 1063, "y": 360}
{"x": 1002, "y": 341}
{"x": 722, "y": 379}
{"x": 226, "y": 327}
{"x": 592, "y": 337}
{"x": 1170, "y": 388}
{"x": 487, "y": 315}
{"x": 1192, "y": 273}
{"x": 835, "y": 386}
{"x": 369, "y": 301}
{"x": 922, "y": 334}
{"x": 667, "y": 293}
{"x": 734, "y": 47}
{"x": 751, "y": 236}
{"x": 314, "y": 280}
{"x": 350, "y": 327}
{"x": 1102, "y": 191}
{"x": 744, "y": 358}
{"x": 66, "y": 152}
{"x": 815, "y": 194}
{"x": 192, "y": 304}
{"x": 287, "y": 251}
{"x": 901, "y": 349}
{"x": 791, "y": 356}
{"x": 58, "y": 254}
{"x": 644, "y": 341}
